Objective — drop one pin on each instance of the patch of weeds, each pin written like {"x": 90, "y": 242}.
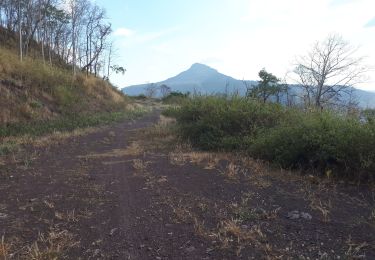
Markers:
{"x": 140, "y": 166}
{"x": 355, "y": 250}
{"x": 27, "y": 160}
{"x": 247, "y": 214}
{"x": 183, "y": 213}
{"x": 69, "y": 216}
{"x": 8, "y": 147}
{"x": 231, "y": 234}
{"x": 53, "y": 245}
{"x": 231, "y": 171}
{"x": 372, "y": 215}
{"x": 67, "y": 123}
{"x": 203, "y": 206}
{"x": 318, "y": 204}
{"x": 133, "y": 149}
{"x": 160, "y": 135}
{"x": 5, "y": 249}
{"x": 183, "y": 154}
{"x": 35, "y": 104}
{"x": 178, "y": 156}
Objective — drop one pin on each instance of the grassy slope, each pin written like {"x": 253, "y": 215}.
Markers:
{"x": 31, "y": 90}
{"x": 37, "y": 99}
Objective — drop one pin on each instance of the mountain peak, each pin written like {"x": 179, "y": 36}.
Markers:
{"x": 201, "y": 67}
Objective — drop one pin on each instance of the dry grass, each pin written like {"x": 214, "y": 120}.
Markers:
{"x": 53, "y": 245}
{"x": 183, "y": 213}
{"x": 5, "y": 249}
{"x": 69, "y": 216}
{"x": 231, "y": 234}
{"x": 323, "y": 206}
{"x": 166, "y": 121}
{"x": 231, "y": 171}
{"x": 372, "y": 215}
{"x": 355, "y": 250}
{"x": 140, "y": 166}
{"x": 13, "y": 145}
{"x": 183, "y": 153}
{"x": 160, "y": 135}
{"x": 255, "y": 171}
{"x": 134, "y": 149}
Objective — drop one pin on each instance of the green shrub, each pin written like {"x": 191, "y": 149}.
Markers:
{"x": 175, "y": 98}
{"x": 326, "y": 142}
{"x": 320, "y": 141}
{"x": 220, "y": 123}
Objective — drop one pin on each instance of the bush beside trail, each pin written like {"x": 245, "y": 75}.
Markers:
{"x": 323, "y": 141}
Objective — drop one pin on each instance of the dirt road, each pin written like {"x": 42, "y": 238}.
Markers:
{"x": 129, "y": 192}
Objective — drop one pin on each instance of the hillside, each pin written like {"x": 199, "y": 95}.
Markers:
{"x": 205, "y": 80}
{"x": 31, "y": 90}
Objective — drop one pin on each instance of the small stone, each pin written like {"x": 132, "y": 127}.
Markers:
{"x": 3, "y": 216}
{"x": 113, "y": 231}
{"x": 293, "y": 214}
{"x": 96, "y": 253}
{"x": 306, "y": 216}
{"x": 190, "y": 249}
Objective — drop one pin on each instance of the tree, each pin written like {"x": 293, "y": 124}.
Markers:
{"x": 151, "y": 90}
{"x": 165, "y": 90}
{"x": 329, "y": 71}
{"x": 268, "y": 86}
{"x": 71, "y": 32}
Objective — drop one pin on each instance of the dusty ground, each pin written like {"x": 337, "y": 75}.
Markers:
{"x": 130, "y": 192}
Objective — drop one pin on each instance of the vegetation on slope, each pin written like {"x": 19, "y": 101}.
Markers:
{"x": 323, "y": 141}
{"x": 38, "y": 99}
{"x": 32, "y": 91}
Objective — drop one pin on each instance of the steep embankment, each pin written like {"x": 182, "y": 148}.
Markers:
{"x": 34, "y": 90}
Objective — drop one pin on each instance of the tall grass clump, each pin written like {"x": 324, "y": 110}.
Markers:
{"x": 212, "y": 122}
{"x": 321, "y": 141}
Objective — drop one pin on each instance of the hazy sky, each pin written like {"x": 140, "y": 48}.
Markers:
{"x": 157, "y": 39}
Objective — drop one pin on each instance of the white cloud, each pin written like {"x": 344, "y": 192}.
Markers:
{"x": 123, "y": 32}
{"x": 147, "y": 37}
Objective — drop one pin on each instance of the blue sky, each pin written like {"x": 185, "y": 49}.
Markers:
{"x": 156, "y": 39}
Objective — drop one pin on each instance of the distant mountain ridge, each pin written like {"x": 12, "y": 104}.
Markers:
{"x": 200, "y": 78}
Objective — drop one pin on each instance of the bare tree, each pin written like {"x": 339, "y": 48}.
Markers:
{"x": 165, "y": 90}
{"x": 20, "y": 28}
{"x": 151, "y": 90}
{"x": 71, "y": 32}
{"x": 329, "y": 71}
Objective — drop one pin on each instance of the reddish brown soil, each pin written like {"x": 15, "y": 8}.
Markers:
{"x": 92, "y": 197}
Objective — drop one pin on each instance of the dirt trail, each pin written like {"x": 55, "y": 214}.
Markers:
{"x": 122, "y": 193}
